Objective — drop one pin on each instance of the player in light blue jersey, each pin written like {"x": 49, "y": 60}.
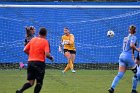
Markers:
{"x": 126, "y": 58}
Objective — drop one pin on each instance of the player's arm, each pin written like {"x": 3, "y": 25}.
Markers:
{"x": 25, "y": 42}
{"x": 133, "y": 54}
{"x": 47, "y": 51}
{"x": 71, "y": 39}
{"x": 61, "y": 42}
{"x": 28, "y": 34}
{"x": 61, "y": 45}
{"x": 132, "y": 44}
{"x": 48, "y": 55}
{"x": 133, "y": 50}
{"x": 27, "y": 48}
{"x": 134, "y": 47}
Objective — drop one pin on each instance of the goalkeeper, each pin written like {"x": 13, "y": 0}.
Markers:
{"x": 30, "y": 33}
{"x": 67, "y": 42}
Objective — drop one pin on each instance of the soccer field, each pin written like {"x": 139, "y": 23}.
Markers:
{"x": 83, "y": 81}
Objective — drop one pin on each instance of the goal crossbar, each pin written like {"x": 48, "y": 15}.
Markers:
{"x": 67, "y": 6}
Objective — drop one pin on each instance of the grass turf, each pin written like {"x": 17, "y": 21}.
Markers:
{"x": 83, "y": 81}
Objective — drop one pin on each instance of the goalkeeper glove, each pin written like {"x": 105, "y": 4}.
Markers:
{"x": 60, "y": 49}
{"x": 65, "y": 42}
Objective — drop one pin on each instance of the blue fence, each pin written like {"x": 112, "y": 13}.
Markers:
{"x": 88, "y": 25}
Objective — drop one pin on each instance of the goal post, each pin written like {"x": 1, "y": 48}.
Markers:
{"x": 88, "y": 23}
{"x": 70, "y": 6}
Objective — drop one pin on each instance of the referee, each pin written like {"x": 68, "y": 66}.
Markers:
{"x": 37, "y": 50}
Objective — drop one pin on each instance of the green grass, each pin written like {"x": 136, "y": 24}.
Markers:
{"x": 83, "y": 81}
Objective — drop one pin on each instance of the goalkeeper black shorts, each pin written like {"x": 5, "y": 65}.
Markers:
{"x": 35, "y": 70}
{"x": 70, "y": 51}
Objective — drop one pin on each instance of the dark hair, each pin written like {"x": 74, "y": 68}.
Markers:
{"x": 132, "y": 28}
{"x": 43, "y": 31}
{"x": 28, "y": 30}
{"x": 66, "y": 28}
{"x": 32, "y": 27}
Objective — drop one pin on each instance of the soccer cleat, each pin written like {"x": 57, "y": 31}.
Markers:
{"x": 111, "y": 90}
{"x": 134, "y": 91}
{"x": 18, "y": 91}
{"x": 73, "y": 71}
{"x": 21, "y": 65}
{"x": 63, "y": 72}
{"x": 25, "y": 65}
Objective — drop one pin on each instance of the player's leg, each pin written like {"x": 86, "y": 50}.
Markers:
{"x": 137, "y": 61}
{"x": 122, "y": 69}
{"x": 72, "y": 63}
{"x": 134, "y": 68}
{"x": 38, "y": 87}
{"x": 68, "y": 56}
{"x": 134, "y": 84}
{"x": 26, "y": 86}
{"x": 30, "y": 78}
{"x": 136, "y": 77}
{"x": 116, "y": 80}
{"x": 40, "y": 72}
{"x": 66, "y": 68}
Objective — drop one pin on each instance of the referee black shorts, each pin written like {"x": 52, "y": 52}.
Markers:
{"x": 70, "y": 51}
{"x": 35, "y": 70}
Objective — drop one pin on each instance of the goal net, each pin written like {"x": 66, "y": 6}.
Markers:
{"x": 88, "y": 23}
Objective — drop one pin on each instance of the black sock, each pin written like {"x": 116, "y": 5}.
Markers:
{"x": 25, "y": 86}
{"x": 134, "y": 70}
{"x": 112, "y": 89}
{"x": 37, "y": 88}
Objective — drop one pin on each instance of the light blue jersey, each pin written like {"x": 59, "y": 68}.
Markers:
{"x": 126, "y": 43}
{"x": 125, "y": 58}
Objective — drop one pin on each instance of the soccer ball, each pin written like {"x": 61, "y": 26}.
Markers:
{"x": 110, "y": 33}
